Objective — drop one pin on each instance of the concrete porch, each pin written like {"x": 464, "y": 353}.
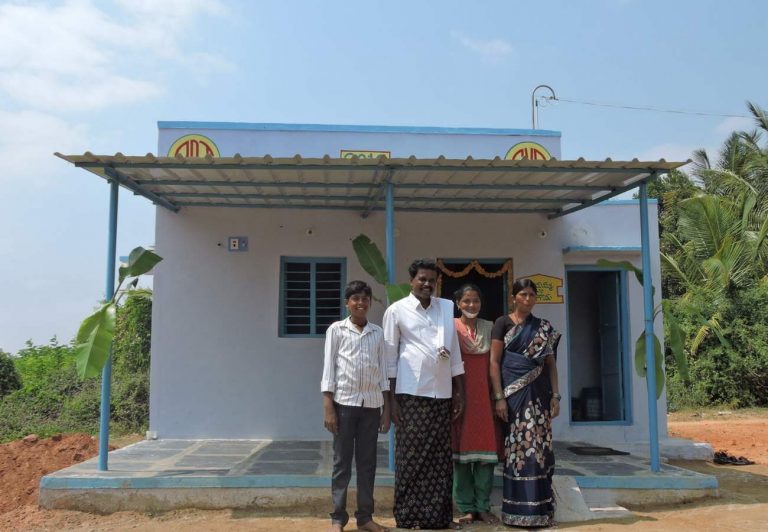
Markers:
{"x": 274, "y": 476}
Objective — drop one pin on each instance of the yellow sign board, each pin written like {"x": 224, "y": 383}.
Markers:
{"x": 533, "y": 151}
{"x": 364, "y": 154}
{"x": 194, "y": 146}
{"x": 548, "y": 288}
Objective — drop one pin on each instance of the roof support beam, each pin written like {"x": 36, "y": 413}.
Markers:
{"x": 374, "y": 195}
{"x": 374, "y": 199}
{"x": 138, "y": 189}
{"x": 405, "y": 186}
{"x": 354, "y": 208}
{"x": 106, "y": 372}
{"x": 389, "y": 238}
{"x": 599, "y": 199}
{"x": 648, "y": 306}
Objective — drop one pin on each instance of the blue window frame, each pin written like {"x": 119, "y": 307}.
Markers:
{"x": 311, "y": 294}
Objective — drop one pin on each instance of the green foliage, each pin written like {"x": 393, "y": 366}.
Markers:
{"x": 10, "y": 380}
{"x": 94, "y": 338}
{"x": 372, "y": 261}
{"x": 737, "y": 374}
{"x": 714, "y": 242}
{"x": 54, "y": 399}
{"x": 370, "y": 258}
{"x": 133, "y": 333}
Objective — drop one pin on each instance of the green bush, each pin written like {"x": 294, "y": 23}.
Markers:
{"x": 10, "y": 380}
{"x": 133, "y": 334}
{"x": 736, "y": 377}
{"x": 51, "y": 398}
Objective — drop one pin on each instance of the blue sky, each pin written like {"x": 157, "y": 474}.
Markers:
{"x": 86, "y": 75}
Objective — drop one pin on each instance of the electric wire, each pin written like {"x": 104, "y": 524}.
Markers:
{"x": 642, "y": 108}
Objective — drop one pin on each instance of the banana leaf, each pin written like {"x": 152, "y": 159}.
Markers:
{"x": 676, "y": 340}
{"x": 396, "y": 292}
{"x": 94, "y": 340}
{"x": 640, "y": 365}
{"x": 627, "y": 266}
{"x": 370, "y": 258}
{"x": 140, "y": 261}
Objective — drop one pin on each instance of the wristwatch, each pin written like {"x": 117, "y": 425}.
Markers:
{"x": 498, "y": 396}
{"x": 557, "y": 396}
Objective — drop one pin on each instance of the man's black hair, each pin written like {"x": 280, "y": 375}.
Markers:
{"x": 357, "y": 287}
{"x": 421, "y": 264}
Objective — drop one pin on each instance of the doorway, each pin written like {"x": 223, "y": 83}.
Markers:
{"x": 492, "y": 277}
{"x": 598, "y": 346}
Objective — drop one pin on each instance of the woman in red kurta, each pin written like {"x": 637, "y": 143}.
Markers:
{"x": 475, "y": 438}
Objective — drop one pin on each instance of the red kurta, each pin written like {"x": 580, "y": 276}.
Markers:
{"x": 476, "y": 435}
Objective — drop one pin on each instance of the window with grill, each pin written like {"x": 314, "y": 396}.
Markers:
{"x": 311, "y": 294}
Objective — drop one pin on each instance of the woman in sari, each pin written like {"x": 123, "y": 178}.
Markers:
{"x": 524, "y": 378}
{"x": 475, "y": 453}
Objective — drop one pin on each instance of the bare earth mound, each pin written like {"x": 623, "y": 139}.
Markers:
{"x": 731, "y": 432}
{"x": 24, "y": 462}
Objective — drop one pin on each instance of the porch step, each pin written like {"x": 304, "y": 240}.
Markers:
{"x": 575, "y": 504}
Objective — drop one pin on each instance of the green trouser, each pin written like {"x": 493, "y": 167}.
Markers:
{"x": 472, "y": 485}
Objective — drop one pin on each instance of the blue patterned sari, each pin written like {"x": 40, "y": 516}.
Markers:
{"x": 529, "y": 455}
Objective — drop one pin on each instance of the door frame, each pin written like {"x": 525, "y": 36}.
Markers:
{"x": 500, "y": 262}
{"x": 626, "y": 356}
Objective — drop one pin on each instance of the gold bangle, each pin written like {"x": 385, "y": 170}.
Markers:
{"x": 498, "y": 396}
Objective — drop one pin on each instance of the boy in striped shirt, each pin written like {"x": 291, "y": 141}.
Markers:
{"x": 356, "y": 404}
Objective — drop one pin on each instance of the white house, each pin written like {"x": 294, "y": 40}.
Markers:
{"x": 255, "y": 224}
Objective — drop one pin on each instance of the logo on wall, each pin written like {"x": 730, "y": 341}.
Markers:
{"x": 194, "y": 146}
{"x": 532, "y": 151}
{"x": 548, "y": 288}
{"x": 348, "y": 154}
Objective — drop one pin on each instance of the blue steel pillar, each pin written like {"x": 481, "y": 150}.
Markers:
{"x": 106, "y": 373}
{"x": 650, "y": 356}
{"x": 390, "y": 243}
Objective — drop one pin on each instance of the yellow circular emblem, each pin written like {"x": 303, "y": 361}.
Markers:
{"x": 528, "y": 150}
{"x": 194, "y": 146}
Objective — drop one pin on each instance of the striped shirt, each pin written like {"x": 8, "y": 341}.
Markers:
{"x": 355, "y": 368}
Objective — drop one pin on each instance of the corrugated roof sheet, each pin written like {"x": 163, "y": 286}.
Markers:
{"x": 549, "y": 187}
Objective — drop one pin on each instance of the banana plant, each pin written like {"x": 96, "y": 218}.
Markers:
{"x": 372, "y": 261}
{"x": 674, "y": 333}
{"x": 94, "y": 338}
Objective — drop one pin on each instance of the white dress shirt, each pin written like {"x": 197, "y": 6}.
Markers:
{"x": 412, "y": 335}
{"x": 355, "y": 366}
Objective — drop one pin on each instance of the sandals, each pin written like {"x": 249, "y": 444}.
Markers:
{"x": 723, "y": 458}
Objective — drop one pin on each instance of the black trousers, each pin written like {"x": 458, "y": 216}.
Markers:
{"x": 357, "y": 436}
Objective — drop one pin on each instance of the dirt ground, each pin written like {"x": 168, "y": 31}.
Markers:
{"x": 743, "y": 504}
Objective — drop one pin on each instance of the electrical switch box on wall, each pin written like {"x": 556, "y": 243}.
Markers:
{"x": 238, "y": 243}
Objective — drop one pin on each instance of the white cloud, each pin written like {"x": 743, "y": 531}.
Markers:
{"x": 76, "y": 56}
{"x": 27, "y": 142}
{"x": 735, "y": 123}
{"x": 490, "y": 50}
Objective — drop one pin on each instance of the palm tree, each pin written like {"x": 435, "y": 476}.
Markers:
{"x": 720, "y": 242}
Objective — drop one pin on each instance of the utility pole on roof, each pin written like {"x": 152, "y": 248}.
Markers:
{"x": 535, "y": 104}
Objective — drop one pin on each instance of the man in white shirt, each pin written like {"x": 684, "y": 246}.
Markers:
{"x": 356, "y": 405}
{"x": 427, "y": 393}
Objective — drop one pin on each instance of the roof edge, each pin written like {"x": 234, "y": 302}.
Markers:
{"x": 342, "y": 128}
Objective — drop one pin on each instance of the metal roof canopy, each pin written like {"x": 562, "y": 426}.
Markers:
{"x": 552, "y": 188}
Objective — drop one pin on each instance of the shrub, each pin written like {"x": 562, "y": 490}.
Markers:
{"x": 737, "y": 377}
{"x": 10, "y": 380}
{"x": 51, "y": 398}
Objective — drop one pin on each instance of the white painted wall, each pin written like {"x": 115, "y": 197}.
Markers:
{"x": 219, "y": 369}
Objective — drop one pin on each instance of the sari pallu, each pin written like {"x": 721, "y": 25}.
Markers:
{"x": 529, "y": 454}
